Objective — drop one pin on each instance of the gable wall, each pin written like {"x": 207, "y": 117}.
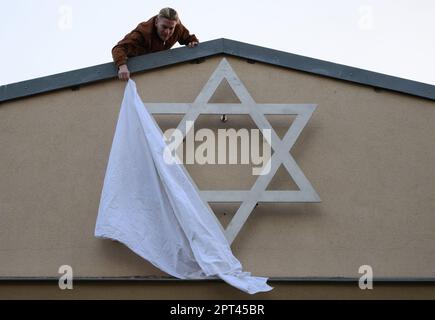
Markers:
{"x": 368, "y": 154}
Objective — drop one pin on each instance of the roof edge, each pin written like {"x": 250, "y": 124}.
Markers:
{"x": 206, "y": 49}
{"x": 329, "y": 69}
{"x": 105, "y": 71}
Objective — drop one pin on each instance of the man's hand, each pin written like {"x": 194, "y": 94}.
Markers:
{"x": 123, "y": 72}
{"x": 192, "y": 44}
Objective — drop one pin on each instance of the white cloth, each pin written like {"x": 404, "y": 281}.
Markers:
{"x": 154, "y": 209}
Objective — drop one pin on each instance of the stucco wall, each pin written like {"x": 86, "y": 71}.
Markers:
{"x": 187, "y": 290}
{"x": 368, "y": 154}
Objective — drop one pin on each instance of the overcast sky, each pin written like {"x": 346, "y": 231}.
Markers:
{"x": 395, "y": 37}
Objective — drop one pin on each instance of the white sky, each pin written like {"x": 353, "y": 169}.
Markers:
{"x": 396, "y": 37}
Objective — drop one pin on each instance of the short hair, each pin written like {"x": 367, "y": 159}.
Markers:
{"x": 168, "y": 13}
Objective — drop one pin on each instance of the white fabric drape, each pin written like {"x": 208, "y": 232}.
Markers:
{"x": 154, "y": 209}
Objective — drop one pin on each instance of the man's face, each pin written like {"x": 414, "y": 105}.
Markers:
{"x": 165, "y": 28}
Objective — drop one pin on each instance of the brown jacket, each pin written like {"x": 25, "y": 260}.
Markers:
{"x": 144, "y": 39}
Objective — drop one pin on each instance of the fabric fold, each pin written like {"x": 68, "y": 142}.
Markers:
{"x": 154, "y": 209}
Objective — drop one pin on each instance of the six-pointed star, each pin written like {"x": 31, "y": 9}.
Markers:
{"x": 257, "y": 112}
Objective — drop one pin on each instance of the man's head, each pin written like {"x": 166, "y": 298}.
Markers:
{"x": 166, "y": 21}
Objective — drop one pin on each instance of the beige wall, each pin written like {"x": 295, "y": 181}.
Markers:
{"x": 210, "y": 290}
{"x": 368, "y": 154}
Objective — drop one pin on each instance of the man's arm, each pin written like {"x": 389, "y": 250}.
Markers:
{"x": 186, "y": 38}
{"x": 133, "y": 44}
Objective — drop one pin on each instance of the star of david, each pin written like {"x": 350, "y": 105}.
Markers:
{"x": 281, "y": 148}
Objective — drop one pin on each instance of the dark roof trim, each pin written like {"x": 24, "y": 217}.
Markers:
{"x": 211, "y": 48}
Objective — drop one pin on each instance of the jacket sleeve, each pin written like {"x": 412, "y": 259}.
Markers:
{"x": 185, "y": 37}
{"x": 132, "y": 45}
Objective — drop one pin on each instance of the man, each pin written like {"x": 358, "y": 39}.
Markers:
{"x": 157, "y": 34}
